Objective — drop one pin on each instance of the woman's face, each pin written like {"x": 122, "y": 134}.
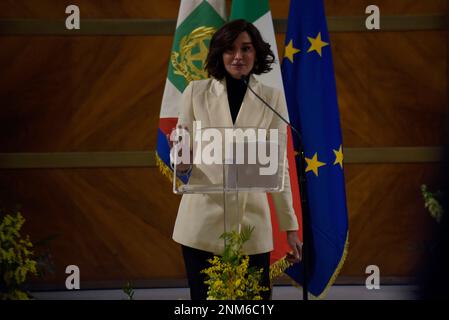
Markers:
{"x": 239, "y": 58}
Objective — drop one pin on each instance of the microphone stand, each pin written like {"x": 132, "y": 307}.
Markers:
{"x": 302, "y": 192}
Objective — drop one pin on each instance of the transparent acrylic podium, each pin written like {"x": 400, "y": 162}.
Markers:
{"x": 229, "y": 161}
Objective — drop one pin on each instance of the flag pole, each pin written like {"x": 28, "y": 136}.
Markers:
{"x": 305, "y": 223}
{"x": 304, "y": 211}
{"x": 311, "y": 94}
{"x": 304, "y": 215}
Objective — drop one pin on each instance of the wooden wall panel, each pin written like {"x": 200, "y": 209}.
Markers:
{"x": 392, "y": 87}
{"x": 168, "y": 9}
{"x": 89, "y": 9}
{"x": 388, "y": 224}
{"x": 103, "y": 94}
{"x": 97, "y": 93}
{"x": 387, "y": 7}
{"x": 115, "y": 224}
{"x": 279, "y": 8}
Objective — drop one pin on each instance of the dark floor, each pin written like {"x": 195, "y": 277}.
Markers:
{"x": 336, "y": 292}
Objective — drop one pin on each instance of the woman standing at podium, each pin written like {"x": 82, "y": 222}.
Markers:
{"x": 236, "y": 50}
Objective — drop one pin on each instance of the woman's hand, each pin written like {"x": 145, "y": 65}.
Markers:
{"x": 181, "y": 167}
{"x": 293, "y": 241}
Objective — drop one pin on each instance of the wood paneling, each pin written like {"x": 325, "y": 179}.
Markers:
{"x": 81, "y": 94}
{"x": 104, "y": 93}
{"x": 392, "y": 87}
{"x": 168, "y": 9}
{"x": 387, "y": 7}
{"x": 55, "y": 9}
{"x": 115, "y": 224}
{"x": 388, "y": 224}
{"x": 357, "y": 7}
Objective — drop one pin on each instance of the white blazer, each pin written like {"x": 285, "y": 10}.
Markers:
{"x": 200, "y": 219}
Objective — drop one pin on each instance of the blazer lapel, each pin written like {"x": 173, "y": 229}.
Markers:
{"x": 219, "y": 112}
{"x": 252, "y": 112}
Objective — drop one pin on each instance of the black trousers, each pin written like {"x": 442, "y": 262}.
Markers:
{"x": 196, "y": 260}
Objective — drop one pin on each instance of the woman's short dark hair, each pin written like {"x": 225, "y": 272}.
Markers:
{"x": 225, "y": 37}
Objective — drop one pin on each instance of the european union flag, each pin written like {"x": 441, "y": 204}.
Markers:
{"x": 309, "y": 82}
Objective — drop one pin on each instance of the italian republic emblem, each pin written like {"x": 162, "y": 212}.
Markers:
{"x": 189, "y": 61}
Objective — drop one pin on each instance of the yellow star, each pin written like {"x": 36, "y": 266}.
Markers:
{"x": 317, "y": 44}
{"x": 290, "y": 51}
{"x": 339, "y": 157}
{"x": 313, "y": 164}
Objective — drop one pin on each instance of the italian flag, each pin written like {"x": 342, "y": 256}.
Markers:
{"x": 197, "y": 22}
{"x": 258, "y": 13}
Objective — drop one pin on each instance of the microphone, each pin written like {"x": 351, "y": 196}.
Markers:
{"x": 243, "y": 78}
{"x": 302, "y": 191}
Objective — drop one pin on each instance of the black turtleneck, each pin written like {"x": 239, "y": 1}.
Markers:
{"x": 236, "y": 91}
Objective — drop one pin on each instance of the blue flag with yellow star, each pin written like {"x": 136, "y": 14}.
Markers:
{"x": 310, "y": 90}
